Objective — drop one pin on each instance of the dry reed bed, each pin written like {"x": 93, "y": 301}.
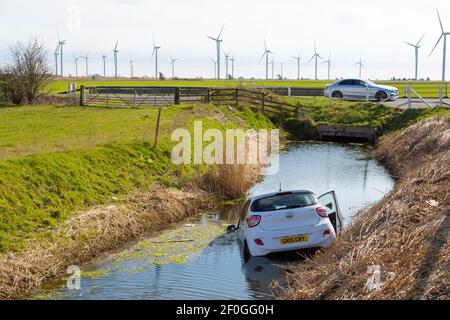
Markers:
{"x": 406, "y": 234}
{"x": 88, "y": 235}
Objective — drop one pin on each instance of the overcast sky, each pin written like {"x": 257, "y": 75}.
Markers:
{"x": 348, "y": 29}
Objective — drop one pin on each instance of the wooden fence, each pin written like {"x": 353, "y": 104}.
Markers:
{"x": 140, "y": 97}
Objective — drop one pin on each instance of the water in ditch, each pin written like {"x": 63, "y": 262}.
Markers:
{"x": 198, "y": 260}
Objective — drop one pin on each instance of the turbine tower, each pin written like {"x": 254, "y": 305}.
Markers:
{"x": 215, "y": 68}
{"x": 86, "y": 59}
{"x": 115, "y": 59}
{"x": 298, "y": 58}
{"x": 232, "y": 66}
{"x": 315, "y": 56}
{"x": 361, "y": 66}
{"x": 155, "y": 54}
{"x": 266, "y": 54}
{"x": 61, "y": 44}
{"x": 329, "y": 65}
{"x": 172, "y": 64}
{"x": 227, "y": 59}
{"x": 56, "y": 58}
{"x": 76, "y": 65}
{"x": 416, "y": 48}
{"x": 443, "y": 35}
{"x": 131, "y": 68}
{"x": 218, "y": 41}
{"x": 104, "y": 65}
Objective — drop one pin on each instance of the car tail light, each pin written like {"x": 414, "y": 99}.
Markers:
{"x": 326, "y": 233}
{"x": 321, "y": 211}
{"x": 259, "y": 242}
{"x": 253, "y": 221}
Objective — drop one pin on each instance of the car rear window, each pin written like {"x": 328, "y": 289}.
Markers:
{"x": 283, "y": 201}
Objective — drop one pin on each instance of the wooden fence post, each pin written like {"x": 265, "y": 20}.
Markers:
{"x": 82, "y": 96}
{"x": 158, "y": 120}
{"x": 297, "y": 111}
{"x": 263, "y": 102}
{"x": 177, "y": 95}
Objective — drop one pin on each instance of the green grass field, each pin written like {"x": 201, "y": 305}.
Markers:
{"x": 425, "y": 88}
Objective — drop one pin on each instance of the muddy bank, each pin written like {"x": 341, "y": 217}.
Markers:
{"x": 405, "y": 236}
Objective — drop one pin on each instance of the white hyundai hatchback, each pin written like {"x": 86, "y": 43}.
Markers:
{"x": 286, "y": 221}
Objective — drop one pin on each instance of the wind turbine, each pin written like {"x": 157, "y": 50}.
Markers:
{"x": 266, "y": 54}
{"x": 416, "y": 47}
{"x": 61, "y": 44}
{"x": 131, "y": 68}
{"x": 232, "y": 66}
{"x": 115, "y": 58}
{"x": 104, "y": 65}
{"x": 218, "y": 41}
{"x": 56, "y": 58}
{"x": 273, "y": 66}
{"x": 298, "y": 58}
{"x": 155, "y": 54}
{"x": 329, "y": 65}
{"x": 86, "y": 58}
{"x": 315, "y": 56}
{"x": 172, "y": 64}
{"x": 76, "y": 65}
{"x": 361, "y": 65}
{"x": 215, "y": 68}
{"x": 443, "y": 35}
{"x": 227, "y": 58}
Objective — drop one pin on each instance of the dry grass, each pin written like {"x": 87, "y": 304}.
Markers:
{"x": 229, "y": 181}
{"x": 406, "y": 234}
{"x": 84, "y": 237}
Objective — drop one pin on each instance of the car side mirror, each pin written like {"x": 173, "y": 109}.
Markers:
{"x": 232, "y": 228}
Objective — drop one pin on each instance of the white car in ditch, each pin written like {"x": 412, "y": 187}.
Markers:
{"x": 356, "y": 89}
{"x": 287, "y": 221}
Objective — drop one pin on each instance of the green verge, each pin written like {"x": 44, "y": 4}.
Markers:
{"x": 348, "y": 113}
{"x": 424, "y": 88}
{"x": 88, "y": 157}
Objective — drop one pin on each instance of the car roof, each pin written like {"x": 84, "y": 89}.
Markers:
{"x": 279, "y": 192}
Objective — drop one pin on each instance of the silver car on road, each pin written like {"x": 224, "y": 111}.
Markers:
{"x": 356, "y": 89}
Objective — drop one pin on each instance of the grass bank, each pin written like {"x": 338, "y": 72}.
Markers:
{"x": 405, "y": 236}
{"x": 58, "y": 160}
{"x": 348, "y": 113}
{"x": 75, "y": 182}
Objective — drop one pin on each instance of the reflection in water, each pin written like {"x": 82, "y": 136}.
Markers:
{"x": 218, "y": 271}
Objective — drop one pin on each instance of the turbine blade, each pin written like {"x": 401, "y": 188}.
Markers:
{"x": 420, "y": 40}
{"x": 436, "y": 45}
{"x": 409, "y": 44}
{"x": 312, "y": 58}
{"x": 212, "y": 38}
{"x": 440, "y": 21}
{"x": 221, "y": 30}
{"x": 265, "y": 52}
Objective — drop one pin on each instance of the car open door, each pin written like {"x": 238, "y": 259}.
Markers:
{"x": 329, "y": 200}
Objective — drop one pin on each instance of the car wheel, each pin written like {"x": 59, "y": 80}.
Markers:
{"x": 337, "y": 95}
{"x": 245, "y": 252}
{"x": 381, "y": 95}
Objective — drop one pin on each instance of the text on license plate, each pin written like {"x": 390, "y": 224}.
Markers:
{"x": 296, "y": 239}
